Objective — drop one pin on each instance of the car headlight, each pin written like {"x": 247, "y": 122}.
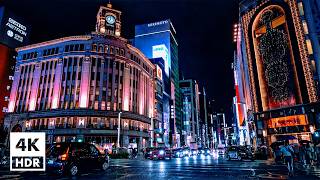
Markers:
{"x": 161, "y": 152}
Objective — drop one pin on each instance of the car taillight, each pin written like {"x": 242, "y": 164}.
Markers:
{"x": 63, "y": 157}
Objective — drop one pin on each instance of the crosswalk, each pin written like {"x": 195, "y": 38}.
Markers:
{"x": 183, "y": 168}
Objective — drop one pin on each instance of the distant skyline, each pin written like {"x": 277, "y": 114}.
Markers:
{"x": 204, "y": 32}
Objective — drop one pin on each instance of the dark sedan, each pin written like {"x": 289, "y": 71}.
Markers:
{"x": 238, "y": 153}
{"x": 72, "y": 158}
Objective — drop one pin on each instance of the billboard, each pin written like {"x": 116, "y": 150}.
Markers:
{"x": 14, "y": 32}
{"x": 163, "y": 52}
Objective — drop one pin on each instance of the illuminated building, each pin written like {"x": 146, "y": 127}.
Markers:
{"x": 159, "y": 123}
{"x": 280, "y": 65}
{"x": 190, "y": 113}
{"x": 73, "y": 88}
{"x": 203, "y": 121}
{"x": 242, "y": 107}
{"x": 158, "y": 39}
{"x": 14, "y": 32}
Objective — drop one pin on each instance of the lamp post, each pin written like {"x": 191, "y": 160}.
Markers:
{"x": 119, "y": 124}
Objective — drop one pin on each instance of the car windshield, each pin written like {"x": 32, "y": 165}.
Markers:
{"x": 57, "y": 149}
{"x": 233, "y": 148}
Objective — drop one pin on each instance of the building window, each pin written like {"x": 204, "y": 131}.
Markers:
{"x": 81, "y": 47}
{"x": 305, "y": 27}
{"x": 100, "y": 50}
{"x": 94, "y": 47}
{"x": 106, "y": 49}
{"x": 11, "y": 78}
{"x": 309, "y": 46}
{"x": 66, "y": 49}
{"x": 301, "y": 11}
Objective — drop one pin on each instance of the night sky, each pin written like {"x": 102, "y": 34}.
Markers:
{"x": 204, "y": 32}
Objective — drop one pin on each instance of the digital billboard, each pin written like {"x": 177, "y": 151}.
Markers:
{"x": 163, "y": 52}
{"x": 14, "y": 32}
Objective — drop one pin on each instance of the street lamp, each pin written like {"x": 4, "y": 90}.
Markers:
{"x": 119, "y": 124}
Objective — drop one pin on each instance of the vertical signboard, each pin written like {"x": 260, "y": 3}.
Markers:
{"x": 14, "y": 32}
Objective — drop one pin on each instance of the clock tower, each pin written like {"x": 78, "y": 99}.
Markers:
{"x": 108, "y": 21}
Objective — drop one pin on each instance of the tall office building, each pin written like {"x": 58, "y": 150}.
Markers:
{"x": 281, "y": 57}
{"x": 203, "y": 115}
{"x": 190, "y": 113}
{"x": 158, "y": 39}
{"x": 75, "y": 88}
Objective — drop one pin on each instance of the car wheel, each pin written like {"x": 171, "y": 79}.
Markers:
{"x": 228, "y": 158}
{"x": 105, "y": 165}
{"x": 73, "y": 170}
{"x": 239, "y": 158}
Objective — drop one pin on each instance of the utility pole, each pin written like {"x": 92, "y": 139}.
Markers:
{"x": 119, "y": 124}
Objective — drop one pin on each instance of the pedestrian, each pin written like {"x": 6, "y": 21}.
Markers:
{"x": 312, "y": 154}
{"x": 302, "y": 154}
{"x": 308, "y": 155}
{"x": 277, "y": 154}
{"x": 288, "y": 153}
{"x": 317, "y": 149}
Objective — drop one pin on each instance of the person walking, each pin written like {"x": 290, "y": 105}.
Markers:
{"x": 308, "y": 155}
{"x": 288, "y": 153}
{"x": 317, "y": 150}
{"x": 302, "y": 155}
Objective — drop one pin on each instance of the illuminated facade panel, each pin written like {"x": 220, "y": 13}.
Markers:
{"x": 282, "y": 80}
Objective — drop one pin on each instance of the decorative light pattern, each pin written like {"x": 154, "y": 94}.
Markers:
{"x": 273, "y": 49}
{"x": 246, "y": 20}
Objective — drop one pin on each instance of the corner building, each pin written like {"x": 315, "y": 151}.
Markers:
{"x": 282, "y": 71}
{"x": 73, "y": 88}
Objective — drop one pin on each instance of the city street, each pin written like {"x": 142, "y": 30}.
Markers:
{"x": 182, "y": 168}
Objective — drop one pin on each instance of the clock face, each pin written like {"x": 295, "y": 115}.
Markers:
{"x": 110, "y": 19}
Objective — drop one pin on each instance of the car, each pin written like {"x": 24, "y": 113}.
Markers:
{"x": 221, "y": 151}
{"x": 204, "y": 151}
{"x": 186, "y": 152}
{"x": 73, "y": 157}
{"x": 194, "y": 152}
{"x": 238, "y": 153}
{"x": 207, "y": 151}
{"x": 161, "y": 153}
{"x": 148, "y": 153}
{"x": 177, "y": 153}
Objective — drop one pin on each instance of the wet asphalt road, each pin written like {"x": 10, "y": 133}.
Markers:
{"x": 181, "y": 168}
